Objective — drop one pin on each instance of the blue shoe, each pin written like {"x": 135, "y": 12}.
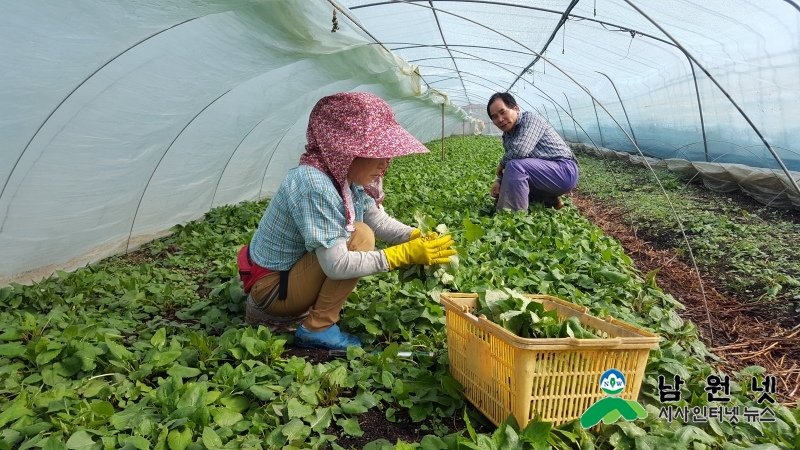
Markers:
{"x": 332, "y": 338}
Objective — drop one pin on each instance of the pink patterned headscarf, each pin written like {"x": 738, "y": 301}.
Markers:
{"x": 348, "y": 125}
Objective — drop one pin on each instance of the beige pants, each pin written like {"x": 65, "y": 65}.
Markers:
{"x": 310, "y": 290}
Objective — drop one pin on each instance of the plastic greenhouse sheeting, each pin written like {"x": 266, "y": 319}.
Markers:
{"x": 119, "y": 119}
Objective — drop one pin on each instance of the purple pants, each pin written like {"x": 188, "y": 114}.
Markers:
{"x": 531, "y": 179}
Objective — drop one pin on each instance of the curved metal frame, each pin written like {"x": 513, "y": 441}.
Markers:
{"x": 225, "y": 167}
{"x": 599, "y": 128}
{"x": 155, "y": 169}
{"x": 572, "y": 116}
{"x": 19, "y": 158}
{"x": 441, "y": 33}
{"x": 796, "y": 6}
{"x": 621, "y": 103}
{"x": 730, "y": 99}
{"x": 700, "y": 107}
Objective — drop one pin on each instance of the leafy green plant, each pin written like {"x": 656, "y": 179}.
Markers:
{"x": 528, "y": 318}
{"x": 149, "y": 350}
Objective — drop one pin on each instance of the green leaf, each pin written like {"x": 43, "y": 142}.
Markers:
{"x": 36, "y": 428}
{"x": 179, "y": 440}
{"x": 159, "y": 338}
{"x": 536, "y": 431}
{"x": 433, "y": 442}
{"x": 163, "y": 358}
{"x": 225, "y": 417}
{"x": 211, "y": 439}
{"x": 14, "y": 412}
{"x": 80, "y": 440}
{"x": 353, "y": 407}
{"x": 420, "y": 411}
{"x": 351, "y": 426}
{"x": 262, "y": 393}
{"x": 296, "y": 430}
{"x": 118, "y": 351}
{"x": 139, "y": 442}
{"x": 379, "y": 444}
{"x": 614, "y": 276}
{"x": 372, "y": 326}
{"x": 308, "y": 392}
{"x": 193, "y": 396}
{"x": 630, "y": 429}
{"x": 365, "y": 398}
{"x": 295, "y": 409}
{"x": 469, "y": 426}
{"x": 53, "y": 443}
{"x": 94, "y": 387}
{"x": 472, "y": 232}
{"x": 387, "y": 379}
{"x": 12, "y": 334}
{"x": 451, "y": 386}
{"x": 47, "y": 356}
{"x": 103, "y": 408}
{"x": 180, "y": 371}
{"x": 654, "y": 443}
{"x": 486, "y": 443}
{"x": 12, "y": 349}
{"x": 690, "y": 433}
{"x": 321, "y": 419}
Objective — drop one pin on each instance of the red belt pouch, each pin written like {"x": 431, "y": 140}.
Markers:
{"x": 249, "y": 271}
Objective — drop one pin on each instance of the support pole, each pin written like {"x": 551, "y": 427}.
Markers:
{"x": 700, "y": 107}
{"x": 594, "y": 105}
{"x": 442, "y": 131}
{"x": 572, "y": 115}
{"x": 623, "y": 107}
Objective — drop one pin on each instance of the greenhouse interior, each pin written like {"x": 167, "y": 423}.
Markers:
{"x": 144, "y": 144}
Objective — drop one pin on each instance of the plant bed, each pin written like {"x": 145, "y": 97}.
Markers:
{"x": 155, "y": 354}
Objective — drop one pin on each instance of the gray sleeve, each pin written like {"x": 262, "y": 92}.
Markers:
{"x": 387, "y": 228}
{"x": 339, "y": 263}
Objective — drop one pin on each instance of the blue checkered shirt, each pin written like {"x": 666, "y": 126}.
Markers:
{"x": 306, "y": 213}
{"x": 534, "y": 137}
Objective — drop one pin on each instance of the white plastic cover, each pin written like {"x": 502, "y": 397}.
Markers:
{"x": 469, "y": 49}
{"x": 120, "y": 118}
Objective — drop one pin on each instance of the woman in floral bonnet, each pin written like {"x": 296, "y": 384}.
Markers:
{"x": 317, "y": 236}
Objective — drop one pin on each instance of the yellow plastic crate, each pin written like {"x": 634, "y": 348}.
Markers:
{"x": 558, "y": 378}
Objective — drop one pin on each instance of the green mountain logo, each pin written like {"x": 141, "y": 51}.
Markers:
{"x": 610, "y": 409}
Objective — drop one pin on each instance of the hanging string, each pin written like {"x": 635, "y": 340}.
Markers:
{"x": 564, "y": 37}
{"x": 595, "y": 8}
{"x": 335, "y": 22}
{"x": 633, "y": 35}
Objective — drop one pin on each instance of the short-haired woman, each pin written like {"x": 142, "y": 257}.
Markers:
{"x": 538, "y": 165}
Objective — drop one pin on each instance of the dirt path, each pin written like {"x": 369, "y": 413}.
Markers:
{"x": 744, "y": 332}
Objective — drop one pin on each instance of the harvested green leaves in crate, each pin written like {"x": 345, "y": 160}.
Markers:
{"x": 526, "y": 317}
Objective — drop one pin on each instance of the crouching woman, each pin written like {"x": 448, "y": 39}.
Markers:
{"x": 317, "y": 236}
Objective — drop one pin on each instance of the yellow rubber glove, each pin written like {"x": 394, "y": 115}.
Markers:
{"x": 420, "y": 251}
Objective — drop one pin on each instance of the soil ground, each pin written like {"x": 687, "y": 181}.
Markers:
{"x": 745, "y": 332}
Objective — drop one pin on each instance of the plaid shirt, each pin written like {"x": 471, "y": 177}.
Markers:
{"x": 534, "y": 137}
{"x": 306, "y": 213}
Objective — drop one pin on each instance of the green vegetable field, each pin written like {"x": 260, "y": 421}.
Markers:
{"x": 150, "y": 350}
